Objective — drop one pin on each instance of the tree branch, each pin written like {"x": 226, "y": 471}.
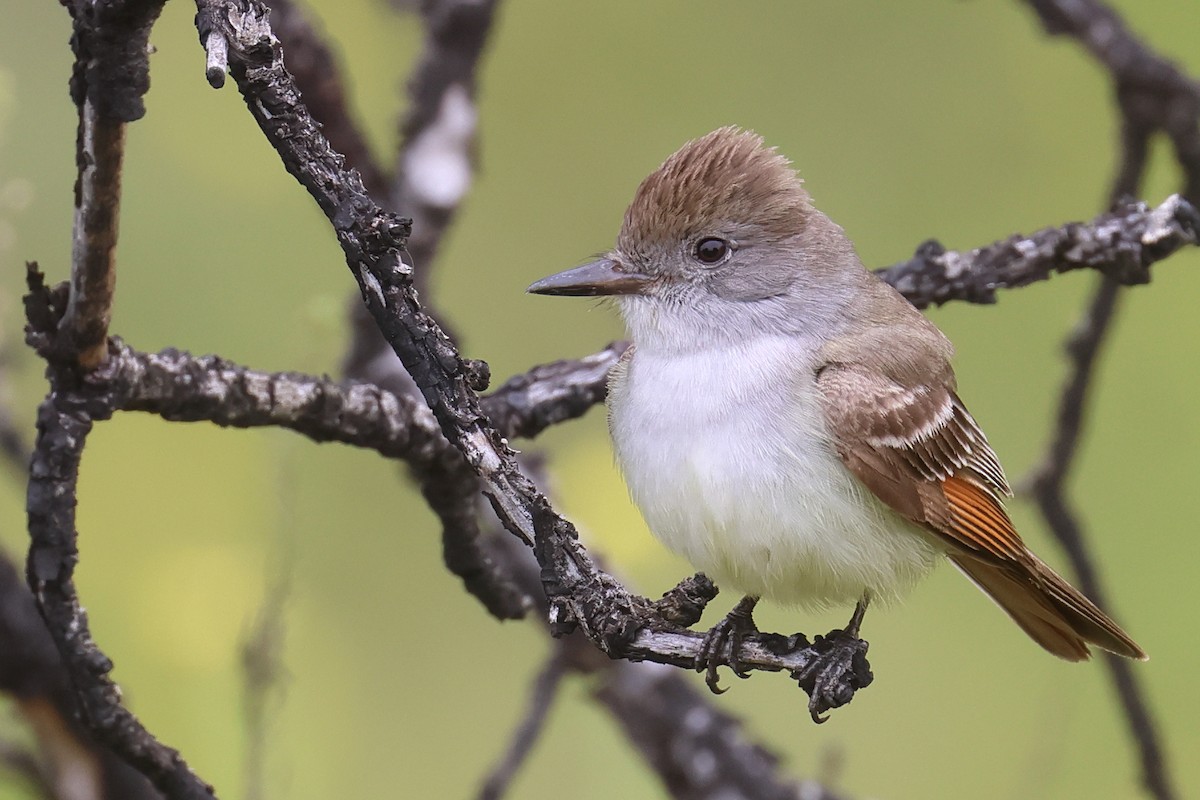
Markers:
{"x": 541, "y": 698}
{"x": 65, "y": 418}
{"x": 1152, "y": 95}
{"x": 1151, "y": 92}
{"x": 1121, "y": 244}
{"x": 317, "y": 73}
{"x": 432, "y": 176}
{"x": 111, "y": 73}
{"x": 32, "y": 672}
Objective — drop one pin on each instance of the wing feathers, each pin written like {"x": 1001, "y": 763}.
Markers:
{"x": 919, "y": 450}
{"x": 979, "y": 523}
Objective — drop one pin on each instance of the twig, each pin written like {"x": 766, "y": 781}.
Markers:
{"x": 432, "y": 176}
{"x": 184, "y": 388}
{"x": 319, "y": 76}
{"x": 1121, "y": 244}
{"x": 700, "y": 752}
{"x": 660, "y": 711}
{"x": 527, "y": 404}
{"x": 32, "y": 671}
{"x": 217, "y": 61}
{"x": 1153, "y": 95}
{"x": 434, "y": 170}
{"x": 541, "y": 698}
{"x": 65, "y": 418}
{"x": 263, "y": 674}
{"x": 110, "y": 76}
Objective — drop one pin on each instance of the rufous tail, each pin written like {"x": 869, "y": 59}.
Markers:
{"x": 1054, "y": 613}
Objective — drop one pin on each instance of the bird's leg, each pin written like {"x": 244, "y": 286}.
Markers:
{"x": 723, "y": 643}
{"x": 839, "y": 666}
{"x": 860, "y": 610}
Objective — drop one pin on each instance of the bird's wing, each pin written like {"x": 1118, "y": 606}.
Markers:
{"x": 922, "y": 453}
{"x": 918, "y": 449}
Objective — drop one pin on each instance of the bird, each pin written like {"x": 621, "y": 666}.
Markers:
{"x": 788, "y": 422}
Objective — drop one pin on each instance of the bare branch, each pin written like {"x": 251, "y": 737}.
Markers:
{"x": 1153, "y": 95}
{"x": 551, "y": 393}
{"x": 541, "y": 698}
{"x": 660, "y": 712}
{"x": 318, "y": 74}
{"x": 65, "y": 418}
{"x": 434, "y": 168}
{"x": 217, "y": 61}
{"x": 111, "y": 74}
{"x": 433, "y": 175}
{"x": 1121, "y": 244}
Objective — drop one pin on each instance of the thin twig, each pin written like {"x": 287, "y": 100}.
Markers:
{"x": 1152, "y": 95}
{"x": 520, "y": 745}
{"x": 1121, "y": 244}
{"x": 319, "y": 75}
{"x": 111, "y": 74}
{"x": 64, "y": 420}
{"x": 433, "y": 174}
{"x": 263, "y": 675}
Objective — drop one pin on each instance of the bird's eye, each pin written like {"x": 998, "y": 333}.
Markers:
{"x": 712, "y": 250}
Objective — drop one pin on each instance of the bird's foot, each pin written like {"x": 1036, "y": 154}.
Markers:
{"x": 837, "y": 670}
{"x": 723, "y": 643}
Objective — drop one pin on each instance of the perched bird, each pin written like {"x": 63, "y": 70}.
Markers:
{"x": 788, "y": 422}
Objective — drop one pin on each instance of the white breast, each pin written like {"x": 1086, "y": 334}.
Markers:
{"x": 727, "y": 455}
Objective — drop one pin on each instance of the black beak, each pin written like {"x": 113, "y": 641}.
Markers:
{"x": 601, "y": 277}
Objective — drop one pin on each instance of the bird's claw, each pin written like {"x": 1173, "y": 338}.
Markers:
{"x": 723, "y": 643}
{"x": 837, "y": 670}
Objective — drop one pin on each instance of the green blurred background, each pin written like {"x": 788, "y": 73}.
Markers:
{"x": 960, "y": 121}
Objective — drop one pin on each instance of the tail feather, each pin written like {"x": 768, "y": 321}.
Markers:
{"x": 1054, "y": 614}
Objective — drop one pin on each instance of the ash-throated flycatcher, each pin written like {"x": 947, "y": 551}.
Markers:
{"x": 787, "y": 421}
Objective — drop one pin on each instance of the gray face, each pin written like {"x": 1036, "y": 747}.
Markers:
{"x": 732, "y": 261}
{"x": 731, "y": 282}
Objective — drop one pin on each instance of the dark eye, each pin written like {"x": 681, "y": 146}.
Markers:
{"x": 712, "y": 250}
